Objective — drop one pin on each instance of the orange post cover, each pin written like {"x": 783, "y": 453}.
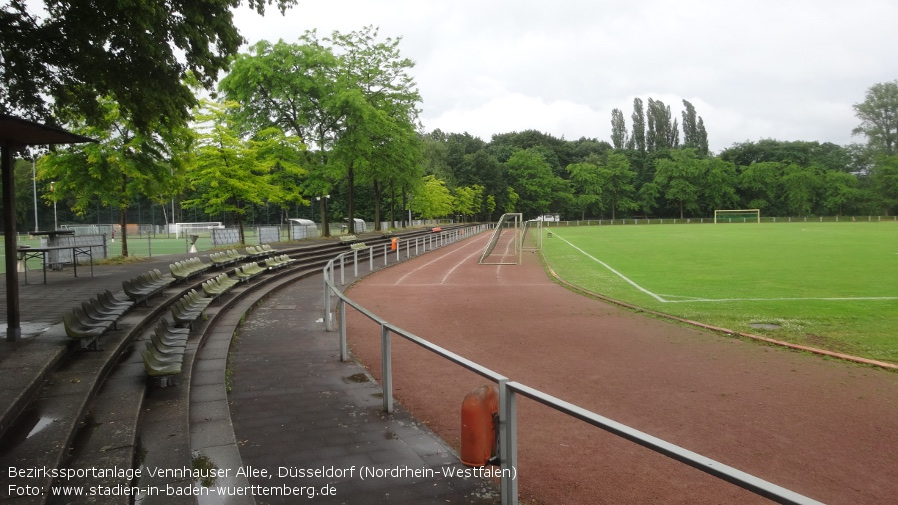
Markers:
{"x": 394, "y": 242}
{"x": 478, "y": 432}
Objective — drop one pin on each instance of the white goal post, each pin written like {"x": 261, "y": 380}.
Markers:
{"x": 737, "y": 216}
{"x": 192, "y": 228}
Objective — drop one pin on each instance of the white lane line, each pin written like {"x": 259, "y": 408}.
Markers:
{"x": 431, "y": 262}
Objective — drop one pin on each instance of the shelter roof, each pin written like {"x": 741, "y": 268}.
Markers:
{"x": 16, "y": 132}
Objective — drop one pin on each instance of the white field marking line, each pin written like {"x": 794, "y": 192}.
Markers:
{"x": 832, "y": 299}
{"x": 622, "y": 276}
{"x": 689, "y": 299}
{"x": 431, "y": 262}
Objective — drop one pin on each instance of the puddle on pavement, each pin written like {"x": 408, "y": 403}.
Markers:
{"x": 28, "y": 424}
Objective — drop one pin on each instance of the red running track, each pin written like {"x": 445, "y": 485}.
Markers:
{"x": 823, "y": 428}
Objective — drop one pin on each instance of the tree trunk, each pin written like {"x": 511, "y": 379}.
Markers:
{"x": 123, "y": 222}
{"x": 377, "y": 200}
{"x": 350, "y": 192}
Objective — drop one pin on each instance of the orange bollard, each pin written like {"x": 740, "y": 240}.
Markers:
{"x": 394, "y": 243}
{"x": 478, "y": 431}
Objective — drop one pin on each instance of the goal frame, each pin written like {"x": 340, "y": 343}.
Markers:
{"x": 516, "y": 222}
{"x": 722, "y": 212}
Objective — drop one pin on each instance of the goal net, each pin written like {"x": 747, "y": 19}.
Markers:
{"x": 183, "y": 229}
{"x": 505, "y": 244}
{"x": 737, "y": 216}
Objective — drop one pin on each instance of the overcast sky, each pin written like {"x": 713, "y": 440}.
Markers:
{"x": 782, "y": 69}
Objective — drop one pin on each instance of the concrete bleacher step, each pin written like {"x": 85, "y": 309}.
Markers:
{"x": 91, "y": 409}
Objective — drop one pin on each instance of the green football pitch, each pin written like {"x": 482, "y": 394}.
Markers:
{"x": 827, "y": 285}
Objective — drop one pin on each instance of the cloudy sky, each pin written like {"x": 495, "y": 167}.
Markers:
{"x": 782, "y": 69}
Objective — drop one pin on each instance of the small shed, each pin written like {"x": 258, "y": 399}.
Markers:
{"x": 302, "y": 228}
{"x": 358, "y": 225}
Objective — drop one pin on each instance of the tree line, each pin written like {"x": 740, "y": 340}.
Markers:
{"x": 333, "y": 122}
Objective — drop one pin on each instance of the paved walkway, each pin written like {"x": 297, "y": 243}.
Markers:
{"x": 295, "y": 407}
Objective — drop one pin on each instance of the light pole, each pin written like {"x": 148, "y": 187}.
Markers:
{"x": 55, "y": 222}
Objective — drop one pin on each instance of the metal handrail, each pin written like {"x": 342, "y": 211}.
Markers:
{"x": 508, "y": 391}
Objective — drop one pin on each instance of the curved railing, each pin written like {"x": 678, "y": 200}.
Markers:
{"x": 509, "y": 389}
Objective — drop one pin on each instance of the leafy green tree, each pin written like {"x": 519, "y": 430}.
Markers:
{"x": 124, "y": 164}
{"x": 433, "y": 200}
{"x": 885, "y": 184}
{"x": 227, "y": 172}
{"x": 379, "y": 102}
{"x": 532, "y": 178}
{"x": 293, "y": 87}
{"x": 587, "y": 181}
{"x": 694, "y": 134}
{"x": 719, "y": 187}
{"x": 800, "y": 185}
{"x": 619, "y": 190}
{"x": 680, "y": 179}
{"x": 618, "y": 129}
{"x": 76, "y": 55}
{"x": 840, "y": 191}
{"x": 879, "y": 117}
{"x": 637, "y": 138}
{"x": 760, "y": 183}
{"x": 662, "y": 131}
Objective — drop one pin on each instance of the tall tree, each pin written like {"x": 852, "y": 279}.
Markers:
{"x": 379, "y": 101}
{"x": 663, "y": 131}
{"x": 227, "y": 172}
{"x": 680, "y": 180}
{"x": 433, "y": 200}
{"x": 637, "y": 138}
{"x": 694, "y": 133}
{"x": 619, "y": 189}
{"x": 124, "y": 164}
{"x": 587, "y": 182}
{"x": 879, "y": 117}
{"x": 75, "y": 55}
{"x": 532, "y": 179}
{"x": 618, "y": 130}
{"x": 293, "y": 87}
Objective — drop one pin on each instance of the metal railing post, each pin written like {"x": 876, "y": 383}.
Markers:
{"x": 342, "y": 270}
{"x": 398, "y": 247}
{"x": 508, "y": 409}
{"x": 386, "y": 255}
{"x": 344, "y": 350}
{"x": 355, "y": 263}
{"x": 371, "y": 259}
{"x": 386, "y": 368}
{"x": 327, "y": 299}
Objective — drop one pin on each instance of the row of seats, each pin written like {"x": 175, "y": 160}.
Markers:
{"x": 249, "y": 271}
{"x": 144, "y": 286}
{"x": 88, "y": 322}
{"x": 225, "y": 258}
{"x": 278, "y": 262}
{"x": 189, "y": 308}
{"x": 183, "y": 270}
{"x": 219, "y": 285}
{"x": 164, "y": 353}
{"x": 259, "y": 251}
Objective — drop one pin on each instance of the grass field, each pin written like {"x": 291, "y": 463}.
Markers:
{"x": 828, "y": 285}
